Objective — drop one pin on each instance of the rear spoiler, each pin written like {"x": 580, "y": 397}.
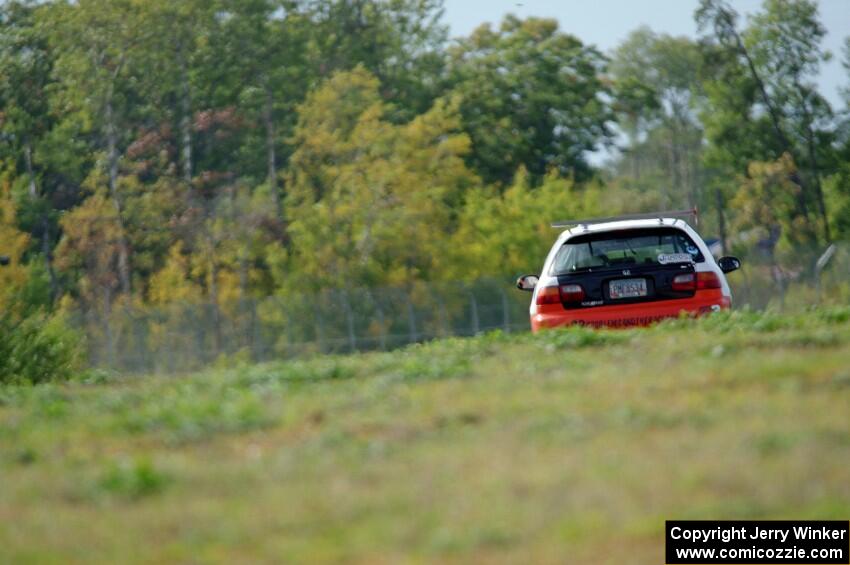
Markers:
{"x": 692, "y": 213}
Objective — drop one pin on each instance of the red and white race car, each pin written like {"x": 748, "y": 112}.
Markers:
{"x": 627, "y": 271}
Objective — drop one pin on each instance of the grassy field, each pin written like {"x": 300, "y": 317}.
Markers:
{"x": 572, "y": 446}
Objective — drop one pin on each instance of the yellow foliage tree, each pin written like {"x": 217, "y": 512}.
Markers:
{"x": 768, "y": 201}
{"x": 371, "y": 202}
{"x": 510, "y": 233}
{"x": 90, "y": 247}
{"x": 172, "y": 283}
{"x": 13, "y": 243}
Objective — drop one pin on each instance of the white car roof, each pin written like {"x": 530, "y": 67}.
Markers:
{"x": 615, "y": 225}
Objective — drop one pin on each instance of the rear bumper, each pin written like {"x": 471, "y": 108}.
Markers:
{"x": 626, "y": 315}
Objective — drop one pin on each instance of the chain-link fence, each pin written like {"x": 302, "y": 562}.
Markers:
{"x": 187, "y": 336}
{"x": 793, "y": 279}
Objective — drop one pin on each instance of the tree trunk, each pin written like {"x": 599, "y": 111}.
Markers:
{"x": 271, "y": 157}
{"x": 693, "y": 173}
{"x": 243, "y": 276}
{"x": 185, "y": 119}
{"x": 112, "y": 157}
{"x": 813, "y": 163}
{"x": 818, "y": 188}
{"x": 721, "y": 220}
{"x": 48, "y": 258}
{"x": 675, "y": 165}
{"x": 216, "y": 313}
{"x": 688, "y": 175}
{"x": 774, "y": 115}
{"x": 685, "y": 161}
{"x": 33, "y": 189}
{"x": 45, "y": 225}
{"x": 107, "y": 327}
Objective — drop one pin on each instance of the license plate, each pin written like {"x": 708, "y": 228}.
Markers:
{"x": 627, "y": 288}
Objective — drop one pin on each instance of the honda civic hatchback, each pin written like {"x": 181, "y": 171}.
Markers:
{"x": 627, "y": 271}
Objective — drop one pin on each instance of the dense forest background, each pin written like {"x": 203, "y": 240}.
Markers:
{"x": 162, "y": 151}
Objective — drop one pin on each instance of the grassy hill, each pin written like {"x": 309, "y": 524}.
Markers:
{"x": 572, "y": 446}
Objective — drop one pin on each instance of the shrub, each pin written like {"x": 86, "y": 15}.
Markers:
{"x": 38, "y": 349}
{"x": 133, "y": 480}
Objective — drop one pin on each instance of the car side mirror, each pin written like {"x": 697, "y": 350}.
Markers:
{"x": 3, "y": 260}
{"x": 729, "y": 264}
{"x": 527, "y": 282}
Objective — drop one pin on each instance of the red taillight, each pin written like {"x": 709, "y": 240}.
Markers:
{"x": 685, "y": 282}
{"x": 572, "y": 293}
{"x": 560, "y": 294}
{"x": 548, "y": 295}
{"x": 707, "y": 279}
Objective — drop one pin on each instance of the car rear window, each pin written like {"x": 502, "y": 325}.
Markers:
{"x": 618, "y": 248}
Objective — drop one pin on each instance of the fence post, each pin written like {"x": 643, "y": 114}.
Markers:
{"x": 748, "y": 292}
{"x": 383, "y": 327}
{"x": 170, "y": 336}
{"x": 320, "y": 332}
{"x": 145, "y": 358}
{"x": 411, "y": 321}
{"x": 349, "y": 318}
{"x": 291, "y": 345}
{"x": 444, "y": 317}
{"x": 215, "y": 312}
{"x": 201, "y": 334}
{"x": 821, "y": 264}
{"x": 506, "y": 314}
{"x": 476, "y": 328}
{"x": 382, "y": 335}
{"x": 110, "y": 344}
{"x": 252, "y": 339}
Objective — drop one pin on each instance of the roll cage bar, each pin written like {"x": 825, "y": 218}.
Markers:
{"x": 691, "y": 213}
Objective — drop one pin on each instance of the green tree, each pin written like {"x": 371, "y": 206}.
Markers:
{"x": 258, "y": 52}
{"x": 531, "y": 96}
{"x": 785, "y": 41}
{"x": 97, "y": 45}
{"x": 171, "y": 59}
{"x": 26, "y": 122}
{"x": 90, "y": 251}
{"x": 401, "y": 42}
{"x": 837, "y": 186}
{"x": 767, "y": 201}
{"x": 657, "y": 89}
{"x": 761, "y": 101}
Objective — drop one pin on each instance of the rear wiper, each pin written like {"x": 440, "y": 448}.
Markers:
{"x": 574, "y": 270}
{"x": 598, "y": 268}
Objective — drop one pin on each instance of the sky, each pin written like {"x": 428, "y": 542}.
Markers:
{"x": 605, "y": 23}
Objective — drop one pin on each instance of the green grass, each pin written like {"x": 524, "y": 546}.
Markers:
{"x": 570, "y": 446}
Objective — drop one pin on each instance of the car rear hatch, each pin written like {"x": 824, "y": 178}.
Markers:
{"x": 627, "y": 285}
{"x": 624, "y": 267}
